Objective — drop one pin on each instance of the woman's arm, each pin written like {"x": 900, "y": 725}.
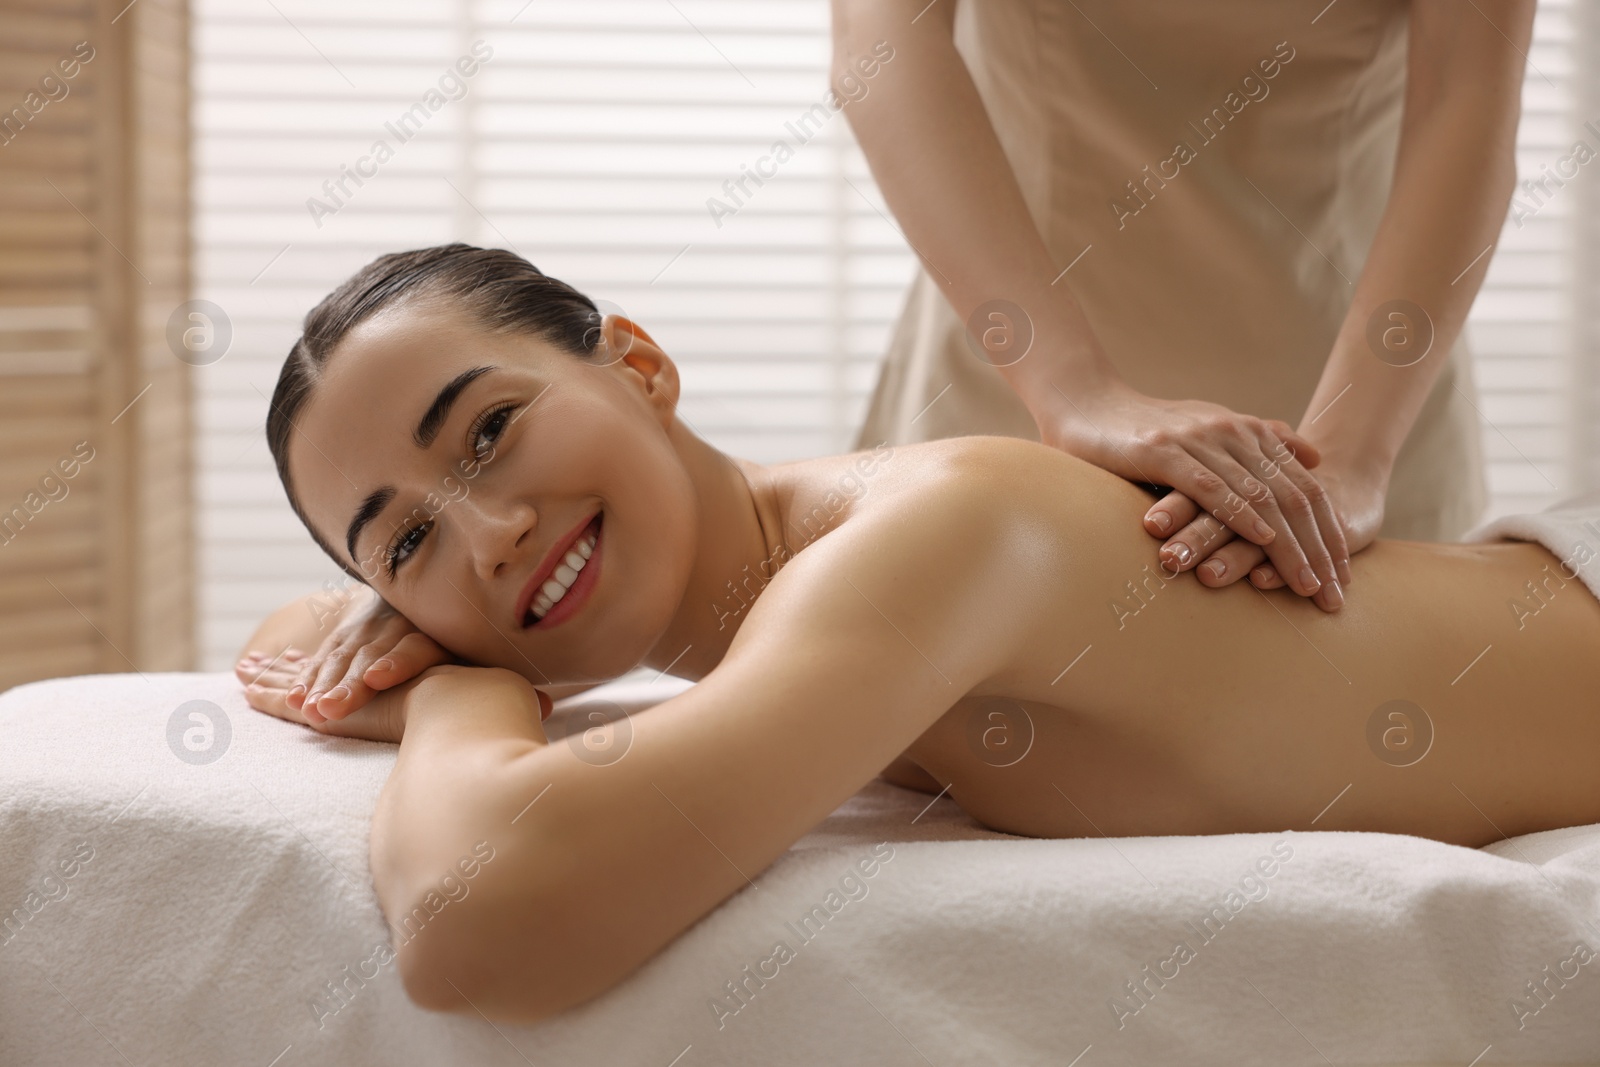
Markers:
{"x": 334, "y": 638}
{"x": 1455, "y": 169}
{"x": 937, "y": 159}
{"x": 852, "y": 651}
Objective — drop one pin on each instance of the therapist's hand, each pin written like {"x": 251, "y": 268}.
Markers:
{"x": 1247, "y": 473}
{"x": 1358, "y": 499}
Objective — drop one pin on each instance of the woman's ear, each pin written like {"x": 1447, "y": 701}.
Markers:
{"x": 654, "y": 373}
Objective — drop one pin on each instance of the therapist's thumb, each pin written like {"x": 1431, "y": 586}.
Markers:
{"x": 1303, "y": 450}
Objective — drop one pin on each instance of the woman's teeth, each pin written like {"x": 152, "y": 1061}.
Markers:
{"x": 566, "y": 572}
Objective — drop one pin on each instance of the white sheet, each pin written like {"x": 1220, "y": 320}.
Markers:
{"x": 221, "y": 899}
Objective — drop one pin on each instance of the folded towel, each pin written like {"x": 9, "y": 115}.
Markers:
{"x": 1569, "y": 528}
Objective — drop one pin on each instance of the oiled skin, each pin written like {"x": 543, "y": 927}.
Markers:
{"x": 1199, "y": 711}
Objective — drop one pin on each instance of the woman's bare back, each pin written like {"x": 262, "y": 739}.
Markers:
{"x": 1453, "y": 697}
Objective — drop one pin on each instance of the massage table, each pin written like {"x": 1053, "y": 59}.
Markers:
{"x": 184, "y": 880}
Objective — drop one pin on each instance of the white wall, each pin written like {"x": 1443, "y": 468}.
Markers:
{"x": 590, "y": 143}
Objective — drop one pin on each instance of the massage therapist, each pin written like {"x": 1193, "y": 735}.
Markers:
{"x": 1192, "y": 242}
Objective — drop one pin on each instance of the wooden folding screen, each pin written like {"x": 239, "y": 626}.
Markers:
{"x": 96, "y": 546}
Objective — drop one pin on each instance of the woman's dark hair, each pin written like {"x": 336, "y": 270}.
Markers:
{"x": 500, "y": 290}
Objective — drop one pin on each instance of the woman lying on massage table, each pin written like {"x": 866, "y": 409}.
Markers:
{"x": 505, "y": 469}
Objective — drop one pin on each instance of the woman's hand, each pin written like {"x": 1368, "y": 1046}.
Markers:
{"x": 1247, "y": 473}
{"x": 383, "y": 716}
{"x": 1358, "y": 500}
{"x": 373, "y": 648}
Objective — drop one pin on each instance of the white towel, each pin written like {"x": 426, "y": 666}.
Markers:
{"x": 220, "y": 909}
{"x": 1569, "y": 528}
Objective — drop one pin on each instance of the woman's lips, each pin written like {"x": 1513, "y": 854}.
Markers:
{"x": 547, "y": 567}
{"x": 578, "y": 592}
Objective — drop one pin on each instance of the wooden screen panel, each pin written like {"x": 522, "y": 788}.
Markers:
{"x": 96, "y": 548}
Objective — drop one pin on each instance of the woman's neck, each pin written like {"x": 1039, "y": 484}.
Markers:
{"x": 740, "y": 542}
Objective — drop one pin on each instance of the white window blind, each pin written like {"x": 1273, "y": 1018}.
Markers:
{"x": 590, "y": 142}
{"x": 1519, "y": 329}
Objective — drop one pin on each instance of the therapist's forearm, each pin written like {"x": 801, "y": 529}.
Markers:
{"x": 1453, "y": 180}
{"x": 937, "y": 160}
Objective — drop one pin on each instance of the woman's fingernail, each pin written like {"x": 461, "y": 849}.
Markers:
{"x": 1344, "y": 571}
{"x": 337, "y": 693}
{"x": 1217, "y": 568}
{"x": 253, "y": 654}
{"x": 1334, "y": 594}
{"x": 1308, "y": 578}
{"x": 1263, "y": 530}
{"x": 1181, "y": 553}
{"x": 382, "y": 665}
{"x": 293, "y": 653}
{"x": 1161, "y": 521}
{"x": 297, "y": 691}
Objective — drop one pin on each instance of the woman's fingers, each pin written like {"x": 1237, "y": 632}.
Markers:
{"x": 267, "y": 691}
{"x": 379, "y": 665}
{"x": 310, "y": 667}
{"x": 266, "y": 687}
{"x": 410, "y": 656}
{"x": 328, "y": 676}
{"x": 348, "y": 691}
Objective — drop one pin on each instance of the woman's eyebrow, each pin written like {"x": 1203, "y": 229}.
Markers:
{"x": 432, "y": 422}
{"x": 370, "y": 509}
{"x": 439, "y": 410}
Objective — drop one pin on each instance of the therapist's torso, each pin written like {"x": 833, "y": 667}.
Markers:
{"x": 1215, "y": 174}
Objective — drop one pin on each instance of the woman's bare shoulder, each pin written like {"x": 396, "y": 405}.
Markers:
{"x": 928, "y": 547}
{"x": 1006, "y": 476}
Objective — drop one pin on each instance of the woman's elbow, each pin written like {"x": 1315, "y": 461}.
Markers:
{"x": 469, "y": 971}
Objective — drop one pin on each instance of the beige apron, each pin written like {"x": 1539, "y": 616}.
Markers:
{"x": 1198, "y": 285}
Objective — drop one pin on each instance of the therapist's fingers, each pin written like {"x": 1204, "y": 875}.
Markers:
{"x": 1303, "y": 450}
{"x": 1219, "y": 486}
{"x": 1229, "y": 563}
{"x": 1266, "y": 576}
{"x": 1221, "y": 522}
{"x": 1322, "y": 538}
{"x": 1170, "y": 514}
{"x": 1195, "y": 543}
{"x": 1298, "y": 550}
{"x": 1237, "y": 559}
{"x": 1175, "y": 510}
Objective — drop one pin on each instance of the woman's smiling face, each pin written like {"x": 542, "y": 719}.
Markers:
{"x": 446, "y": 463}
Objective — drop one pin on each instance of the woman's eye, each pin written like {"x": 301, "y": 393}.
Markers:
{"x": 405, "y": 545}
{"x": 489, "y": 429}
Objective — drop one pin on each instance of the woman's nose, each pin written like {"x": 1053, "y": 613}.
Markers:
{"x": 499, "y": 534}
